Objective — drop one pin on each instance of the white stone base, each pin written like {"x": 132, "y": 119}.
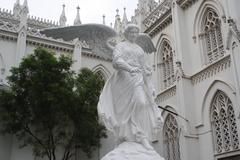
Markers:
{"x": 132, "y": 151}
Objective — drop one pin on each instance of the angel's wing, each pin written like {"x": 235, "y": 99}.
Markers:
{"x": 145, "y": 42}
{"x": 95, "y": 35}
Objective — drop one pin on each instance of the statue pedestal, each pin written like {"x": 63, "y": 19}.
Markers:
{"x": 132, "y": 151}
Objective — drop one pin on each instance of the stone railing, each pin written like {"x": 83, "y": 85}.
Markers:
{"x": 38, "y": 22}
{"x": 186, "y": 3}
{"x": 211, "y": 70}
{"x": 32, "y": 20}
{"x": 5, "y": 13}
{"x": 159, "y": 18}
{"x": 166, "y": 94}
{"x": 157, "y": 13}
{"x": 8, "y": 26}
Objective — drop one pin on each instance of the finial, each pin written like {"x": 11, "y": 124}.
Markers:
{"x": 117, "y": 10}
{"x": 17, "y": 2}
{"x": 63, "y": 18}
{"x": 124, "y": 20}
{"x": 104, "y": 19}
{"x": 25, "y": 6}
{"x": 16, "y": 8}
{"x": 77, "y": 20}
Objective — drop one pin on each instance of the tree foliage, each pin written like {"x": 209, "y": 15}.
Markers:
{"x": 51, "y": 108}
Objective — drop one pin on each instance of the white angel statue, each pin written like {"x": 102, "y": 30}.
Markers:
{"x": 126, "y": 105}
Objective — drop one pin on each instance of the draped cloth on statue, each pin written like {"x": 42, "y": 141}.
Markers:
{"x": 126, "y": 104}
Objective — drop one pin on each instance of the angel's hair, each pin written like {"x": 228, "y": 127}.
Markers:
{"x": 129, "y": 28}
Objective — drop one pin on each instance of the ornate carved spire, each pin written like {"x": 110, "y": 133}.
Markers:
{"x": 117, "y": 24}
{"x": 104, "y": 19}
{"x": 77, "y": 20}
{"x": 117, "y": 10}
{"x": 17, "y": 3}
{"x": 125, "y": 20}
{"x": 63, "y": 18}
{"x": 16, "y": 8}
{"x": 25, "y": 6}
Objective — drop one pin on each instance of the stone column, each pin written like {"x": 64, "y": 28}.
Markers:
{"x": 22, "y": 35}
{"x": 21, "y": 44}
{"x": 77, "y": 55}
{"x": 184, "y": 88}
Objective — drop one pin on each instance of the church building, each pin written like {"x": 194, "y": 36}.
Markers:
{"x": 196, "y": 72}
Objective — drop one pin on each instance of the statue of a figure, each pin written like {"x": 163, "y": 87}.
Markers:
{"x": 126, "y": 105}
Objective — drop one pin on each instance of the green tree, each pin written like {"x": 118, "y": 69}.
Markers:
{"x": 50, "y": 108}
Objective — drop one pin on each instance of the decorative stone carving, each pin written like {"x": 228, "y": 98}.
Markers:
{"x": 233, "y": 31}
{"x": 212, "y": 37}
{"x": 224, "y": 124}
{"x": 179, "y": 71}
{"x": 157, "y": 13}
{"x": 166, "y": 94}
{"x": 171, "y": 138}
{"x": 212, "y": 70}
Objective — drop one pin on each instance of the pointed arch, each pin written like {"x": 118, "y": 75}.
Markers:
{"x": 102, "y": 71}
{"x": 171, "y": 138}
{"x": 215, "y": 86}
{"x": 223, "y": 124}
{"x": 212, "y": 4}
{"x": 208, "y": 30}
{"x": 165, "y": 62}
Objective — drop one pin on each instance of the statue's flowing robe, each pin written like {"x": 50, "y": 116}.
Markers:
{"x": 126, "y": 104}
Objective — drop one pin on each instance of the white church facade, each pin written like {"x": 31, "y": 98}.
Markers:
{"x": 196, "y": 72}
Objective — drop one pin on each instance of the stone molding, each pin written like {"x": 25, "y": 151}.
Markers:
{"x": 211, "y": 70}
{"x": 159, "y": 18}
{"x": 166, "y": 94}
{"x": 184, "y": 4}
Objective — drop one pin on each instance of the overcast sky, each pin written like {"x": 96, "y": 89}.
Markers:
{"x": 91, "y": 10}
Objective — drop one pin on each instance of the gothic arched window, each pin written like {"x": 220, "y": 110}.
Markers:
{"x": 212, "y": 36}
{"x": 171, "y": 138}
{"x": 167, "y": 64}
{"x": 223, "y": 123}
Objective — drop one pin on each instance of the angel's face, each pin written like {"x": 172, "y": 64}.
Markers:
{"x": 132, "y": 35}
